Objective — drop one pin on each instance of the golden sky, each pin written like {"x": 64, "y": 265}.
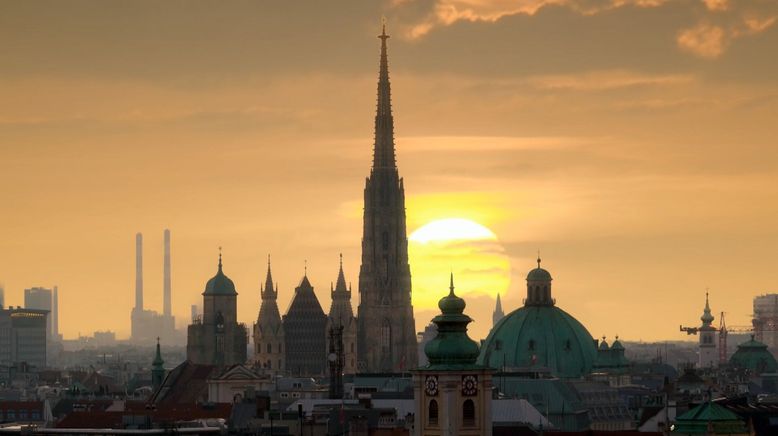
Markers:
{"x": 632, "y": 141}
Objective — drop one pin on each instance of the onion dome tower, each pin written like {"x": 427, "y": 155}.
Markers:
{"x": 540, "y": 336}
{"x": 453, "y": 392}
{"x": 707, "y": 347}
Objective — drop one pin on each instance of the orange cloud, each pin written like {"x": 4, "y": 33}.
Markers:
{"x": 716, "y": 5}
{"x": 448, "y": 12}
{"x": 703, "y": 40}
{"x": 710, "y": 41}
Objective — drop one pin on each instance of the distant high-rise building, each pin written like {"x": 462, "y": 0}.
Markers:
{"x": 2, "y": 296}
{"x": 498, "y": 314}
{"x": 138, "y": 271}
{"x": 218, "y": 338}
{"x": 167, "y": 293}
{"x": 23, "y": 336}
{"x": 765, "y": 320}
{"x": 41, "y": 299}
{"x": 55, "y": 315}
{"x": 386, "y": 331}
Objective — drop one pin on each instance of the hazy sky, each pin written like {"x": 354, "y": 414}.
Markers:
{"x": 632, "y": 141}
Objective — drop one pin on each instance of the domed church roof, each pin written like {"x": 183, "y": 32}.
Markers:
{"x": 220, "y": 284}
{"x": 540, "y": 335}
{"x": 753, "y": 355}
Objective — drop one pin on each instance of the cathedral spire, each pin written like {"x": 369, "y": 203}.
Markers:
{"x": 268, "y": 289}
{"x": 383, "y": 152}
{"x": 340, "y": 284}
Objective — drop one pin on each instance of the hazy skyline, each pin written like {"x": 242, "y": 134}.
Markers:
{"x": 632, "y": 141}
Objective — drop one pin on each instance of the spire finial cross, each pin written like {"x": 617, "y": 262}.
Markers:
{"x": 538, "y": 258}
{"x": 383, "y": 34}
{"x": 305, "y": 268}
{"x": 220, "y": 257}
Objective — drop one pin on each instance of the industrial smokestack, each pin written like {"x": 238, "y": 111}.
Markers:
{"x": 139, "y": 272}
{"x": 55, "y": 315}
{"x": 166, "y": 285}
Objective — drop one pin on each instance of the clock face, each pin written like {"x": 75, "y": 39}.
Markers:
{"x": 469, "y": 385}
{"x": 431, "y": 385}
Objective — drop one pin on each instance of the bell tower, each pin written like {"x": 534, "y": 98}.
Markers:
{"x": 453, "y": 394}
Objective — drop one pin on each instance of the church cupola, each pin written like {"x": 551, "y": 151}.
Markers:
{"x": 539, "y": 287}
{"x": 451, "y": 346}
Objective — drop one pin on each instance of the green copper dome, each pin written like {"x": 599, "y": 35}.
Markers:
{"x": 540, "y": 336}
{"x": 451, "y": 348}
{"x": 539, "y": 275}
{"x": 220, "y": 284}
{"x": 754, "y": 356}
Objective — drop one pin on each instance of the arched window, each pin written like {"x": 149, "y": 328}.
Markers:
{"x": 280, "y": 350}
{"x": 433, "y": 413}
{"x": 468, "y": 413}
{"x": 352, "y": 347}
{"x": 531, "y": 345}
{"x": 386, "y": 336}
{"x": 269, "y": 348}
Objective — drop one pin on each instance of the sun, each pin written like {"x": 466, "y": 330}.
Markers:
{"x": 468, "y": 249}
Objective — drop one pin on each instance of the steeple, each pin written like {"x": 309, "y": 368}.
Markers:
{"x": 340, "y": 310}
{"x": 387, "y": 337}
{"x": 383, "y": 152}
{"x": 157, "y": 369}
{"x": 498, "y": 314}
{"x": 268, "y": 291}
{"x": 707, "y": 317}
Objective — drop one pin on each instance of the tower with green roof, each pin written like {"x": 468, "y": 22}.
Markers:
{"x": 707, "y": 348}
{"x": 157, "y": 369}
{"x": 453, "y": 392}
{"x": 217, "y": 338}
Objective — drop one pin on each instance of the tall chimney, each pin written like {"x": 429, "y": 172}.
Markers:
{"x": 55, "y": 315}
{"x": 166, "y": 285}
{"x": 139, "y": 272}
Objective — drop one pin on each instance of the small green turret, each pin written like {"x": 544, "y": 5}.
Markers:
{"x": 157, "y": 369}
{"x": 452, "y": 348}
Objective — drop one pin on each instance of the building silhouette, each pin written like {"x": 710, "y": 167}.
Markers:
{"x": 386, "y": 328}
{"x": 217, "y": 338}
{"x": 269, "y": 329}
{"x": 42, "y": 299}
{"x": 23, "y": 337}
{"x": 341, "y": 318}
{"x": 498, "y": 314}
{"x": 305, "y": 332}
{"x": 146, "y": 324}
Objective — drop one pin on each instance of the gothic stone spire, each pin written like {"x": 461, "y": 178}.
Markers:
{"x": 383, "y": 152}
